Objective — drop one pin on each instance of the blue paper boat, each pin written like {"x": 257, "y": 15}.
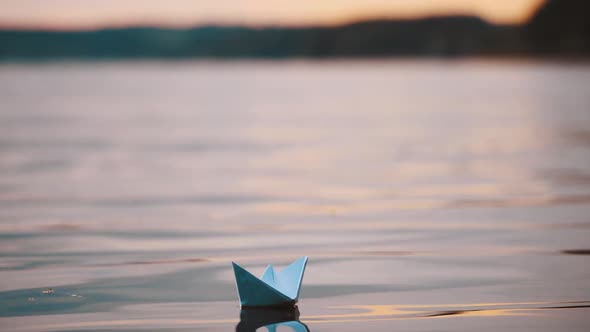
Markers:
{"x": 273, "y": 288}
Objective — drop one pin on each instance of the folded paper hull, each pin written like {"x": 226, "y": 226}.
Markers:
{"x": 275, "y": 289}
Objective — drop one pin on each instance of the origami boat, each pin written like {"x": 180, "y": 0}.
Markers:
{"x": 273, "y": 288}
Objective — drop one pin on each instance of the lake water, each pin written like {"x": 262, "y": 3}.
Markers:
{"x": 429, "y": 195}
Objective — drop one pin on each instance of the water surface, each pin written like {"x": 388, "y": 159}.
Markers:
{"x": 429, "y": 195}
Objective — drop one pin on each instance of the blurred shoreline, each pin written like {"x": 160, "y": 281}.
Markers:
{"x": 557, "y": 31}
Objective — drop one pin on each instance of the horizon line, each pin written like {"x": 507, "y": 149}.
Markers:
{"x": 261, "y": 26}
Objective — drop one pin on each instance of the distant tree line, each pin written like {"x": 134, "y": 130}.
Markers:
{"x": 558, "y": 28}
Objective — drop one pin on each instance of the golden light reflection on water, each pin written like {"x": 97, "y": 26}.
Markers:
{"x": 381, "y": 312}
{"x": 302, "y": 209}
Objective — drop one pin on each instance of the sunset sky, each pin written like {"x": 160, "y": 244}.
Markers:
{"x": 98, "y": 13}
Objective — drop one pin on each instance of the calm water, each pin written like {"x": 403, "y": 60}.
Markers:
{"x": 430, "y": 196}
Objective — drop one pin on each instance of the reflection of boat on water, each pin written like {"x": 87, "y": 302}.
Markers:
{"x": 252, "y": 319}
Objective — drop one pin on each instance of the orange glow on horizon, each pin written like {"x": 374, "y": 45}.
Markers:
{"x": 73, "y": 14}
